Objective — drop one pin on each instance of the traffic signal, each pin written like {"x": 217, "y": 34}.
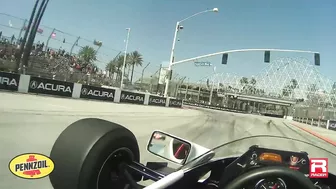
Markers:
{"x": 317, "y": 59}
{"x": 225, "y": 58}
{"x": 267, "y": 56}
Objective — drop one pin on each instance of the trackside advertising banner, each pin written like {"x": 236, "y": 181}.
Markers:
{"x": 332, "y": 125}
{"x": 97, "y": 93}
{"x": 310, "y": 121}
{"x": 9, "y": 81}
{"x": 175, "y": 103}
{"x": 51, "y": 87}
{"x": 315, "y": 122}
{"x": 133, "y": 98}
{"x": 157, "y": 101}
{"x": 323, "y": 123}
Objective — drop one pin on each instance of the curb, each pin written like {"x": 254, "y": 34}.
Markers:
{"x": 315, "y": 134}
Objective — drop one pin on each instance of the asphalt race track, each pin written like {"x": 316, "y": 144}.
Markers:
{"x": 30, "y": 123}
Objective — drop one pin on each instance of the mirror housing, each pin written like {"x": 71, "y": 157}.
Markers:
{"x": 174, "y": 149}
{"x": 169, "y": 147}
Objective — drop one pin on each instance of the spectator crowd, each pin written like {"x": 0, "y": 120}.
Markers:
{"x": 51, "y": 63}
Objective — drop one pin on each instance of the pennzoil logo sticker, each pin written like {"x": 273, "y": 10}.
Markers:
{"x": 31, "y": 166}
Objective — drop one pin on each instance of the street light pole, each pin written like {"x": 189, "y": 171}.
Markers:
{"x": 199, "y": 92}
{"x": 171, "y": 60}
{"x": 211, "y": 90}
{"x": 212, "y": 87}
{"x": 177, "y": 28}
{"x": 125, "y": 56}
{"x": 186, "y": 92}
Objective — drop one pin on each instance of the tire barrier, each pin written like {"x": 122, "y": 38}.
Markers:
{"x": 323, "y": 123}
{"x": 38, "y": 85}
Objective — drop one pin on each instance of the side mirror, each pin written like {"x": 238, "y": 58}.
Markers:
{"x": 169, "y": 147}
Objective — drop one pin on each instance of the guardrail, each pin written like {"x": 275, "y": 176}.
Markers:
{"x": 37, "y": 85}
{"x": 323, "y": 123}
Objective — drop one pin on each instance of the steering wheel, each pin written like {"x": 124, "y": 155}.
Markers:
{"x": 274, "y": 171}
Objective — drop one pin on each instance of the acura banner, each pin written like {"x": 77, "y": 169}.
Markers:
{"x": 156, "y": 101}
{"x": 332, "y": 125}
{"x": 97, "y": 93}
{"x": 134, "y": 98}
{"x": 315, "y": 122}
{"x": 323, "y": 123}
{"x": 9, "y": 81}
{"x": 49, "y": 86}
{"x": 175, "y": 103}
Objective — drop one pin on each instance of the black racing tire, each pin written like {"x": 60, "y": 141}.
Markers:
{"x": 89, "y": 150}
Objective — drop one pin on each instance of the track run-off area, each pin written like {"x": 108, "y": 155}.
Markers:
{"x": 31, "y": 124}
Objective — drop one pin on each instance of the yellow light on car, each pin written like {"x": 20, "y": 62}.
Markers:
{"x": 270, "y": 157}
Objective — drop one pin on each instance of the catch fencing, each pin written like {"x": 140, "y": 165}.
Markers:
{"x": 59, "y": 68}
{"x": 53, "y": 54}
{"x": 64, "y": 65}
{"x": 13, "y": 29}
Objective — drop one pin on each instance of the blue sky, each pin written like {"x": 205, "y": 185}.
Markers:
{"x": 286, "y": 24}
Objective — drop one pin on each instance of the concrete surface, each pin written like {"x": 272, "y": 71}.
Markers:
{"x": 30, "y": 123}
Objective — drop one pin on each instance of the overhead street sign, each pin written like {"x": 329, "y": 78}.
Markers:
{"x": 207, "y": 64}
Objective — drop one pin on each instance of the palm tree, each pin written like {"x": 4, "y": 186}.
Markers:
{"x": 115, "y": 66}
{"x": 312, "y": 88}
{"x": 243, "y": 81}
{"x": 286, "y": 91}
{"x": 253, "y": 83}
{"x": 111, "y": 67}
{"x": 312, "y": 96}
{"x": 87, "y": 54}
{"x": 134, "y": 59}
{"x": 118, "y": 64}
{"x": 294, "y": 84}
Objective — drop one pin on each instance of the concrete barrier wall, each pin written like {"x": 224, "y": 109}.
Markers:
{"x": 323, "y": 123}
{"x": 37, "y": 85}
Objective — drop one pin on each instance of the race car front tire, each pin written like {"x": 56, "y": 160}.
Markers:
{"x": 87, "y": 153}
